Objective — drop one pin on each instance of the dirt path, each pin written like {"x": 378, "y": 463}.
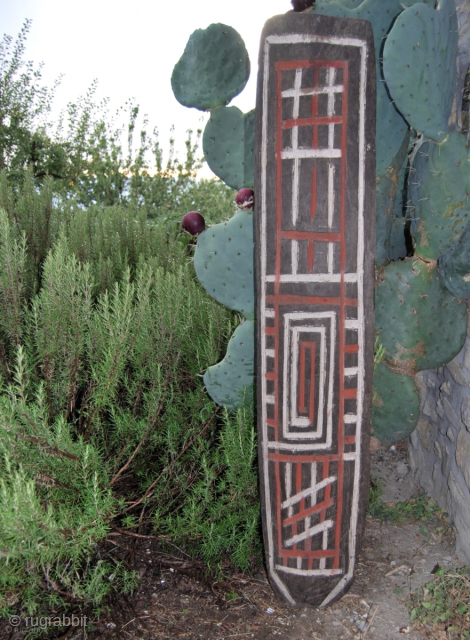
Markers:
{"x": 174, "y": 602}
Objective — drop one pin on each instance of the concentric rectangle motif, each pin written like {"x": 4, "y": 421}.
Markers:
{"x": 314, "y": 242}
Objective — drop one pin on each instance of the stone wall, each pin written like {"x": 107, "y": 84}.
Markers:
{"x": 439, "y": 448}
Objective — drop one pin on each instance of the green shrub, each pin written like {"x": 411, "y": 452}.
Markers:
{"x": 104, "y": 420}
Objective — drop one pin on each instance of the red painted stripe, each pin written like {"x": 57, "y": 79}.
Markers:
{"x": 293, "y": 299}
{"x": 308, "y": 235}
{"x": 302, "y": 382}
{"x": 349, "y": 439}
{"x": 308, "y": 512}
{"x": 313, "y": 200}
{"x": 351, "y": 348}
{"x": 311, "y": 413}
{"x": 313, "y": 120}
{"x": 308, "y": 64}
{"x": 301, "y": 405}
{"x": 349, "y": 393}
{"x": 319, "y": 553}
{"x": 289, "y": 457}
{"x": 270, "y": 375}
{"x": 270, "y": 331}
{"x": 310, "y": 254}
{"x": 270, "y": 422}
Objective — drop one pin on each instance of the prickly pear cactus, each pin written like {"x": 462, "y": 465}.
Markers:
{"x": 420, "y": 325}
{"x": 454, "y": 267}
{"x": 224, "y": 263}
{"x": 439, "y": 189}
{"x": 229, "y": 146}
{"x": 388, "y": 191}
{"x": 392, "y": 128}
{"x": 213, "y": 69}
{"x": 419, "y": 66}
{"x": 395, "y": 402}
{"x": 422, "y": 171}
{"x": 228, "y": 381}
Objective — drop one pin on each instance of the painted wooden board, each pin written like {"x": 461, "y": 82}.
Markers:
{"x": 314, "y": 239}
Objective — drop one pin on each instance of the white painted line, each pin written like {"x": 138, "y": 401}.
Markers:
{"x": 310, "y": 491}
{"x": 351, "y": 371}
{"x": 331, "y": 248}
{"x": 331, "y": 194}
{"x": 350, "y": 418}
{"x": 295, "y": 257}
{"x": 295, "y": 419}
{"x": 324, "y": 547}
{"x": 295, "y": 147}
{"x": 318, "y": 528}
{"x": 290, "y": 154}
{"x": 310, "y": 572}
{"x": 288, "y": 482}
{"x": 314, "y": 91}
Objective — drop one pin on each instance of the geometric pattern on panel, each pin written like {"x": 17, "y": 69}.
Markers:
{"x": 309, "y": 340}
{"x": 311, "y": 307}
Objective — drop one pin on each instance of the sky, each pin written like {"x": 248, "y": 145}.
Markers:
{"x": 131, "y": 47}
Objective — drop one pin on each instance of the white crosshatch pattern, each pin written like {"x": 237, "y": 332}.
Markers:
{"x": 321, "y": 529}
{"x": 297, "y": 154}
{"x": 266, "y": 311}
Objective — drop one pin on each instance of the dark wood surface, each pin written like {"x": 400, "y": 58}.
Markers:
{"x": 314, "y": 239}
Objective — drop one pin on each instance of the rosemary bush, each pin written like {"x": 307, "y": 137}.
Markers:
{"x": 104, "y": 420}
{"x": 104, "y": 336}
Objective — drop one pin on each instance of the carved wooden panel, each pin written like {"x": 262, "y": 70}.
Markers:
{"x": 315, "y": 186}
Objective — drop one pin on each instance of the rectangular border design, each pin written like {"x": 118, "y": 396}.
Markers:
{"x": 298, "y": 448}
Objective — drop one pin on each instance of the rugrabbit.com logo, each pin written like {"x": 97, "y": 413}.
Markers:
{"x": 35, "y": 624}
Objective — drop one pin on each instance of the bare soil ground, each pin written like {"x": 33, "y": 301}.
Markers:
{"x": 174, "y": 600}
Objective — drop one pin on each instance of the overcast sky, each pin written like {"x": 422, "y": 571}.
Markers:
{"x": 131, "y": 46}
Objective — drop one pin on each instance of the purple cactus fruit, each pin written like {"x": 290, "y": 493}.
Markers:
{"x": 301, "y": 5}
{"x": 193, "y": 223}
{"x": 245, "y": 199}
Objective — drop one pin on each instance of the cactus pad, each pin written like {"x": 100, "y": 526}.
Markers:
{"x": 388, "y": 190}
{"x": 213, "y": 69}
{"x": 398, "y": 249}
{"x": 224, "y": 262}
{"x": 395, "y": 408}
{"x": 348, "y": 4}
{"x": 229, "y": 146}
{"x": 439, "y": 190}
{"x": 454, "y": 267}
{"x": 419, "y": 65}
{"x": 391, "y": 127}
{"x": 420, "y": 325}
{"x": 227, "y": 381}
